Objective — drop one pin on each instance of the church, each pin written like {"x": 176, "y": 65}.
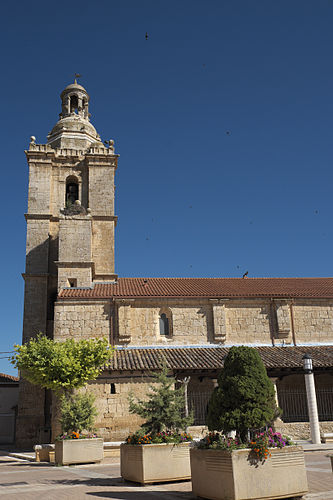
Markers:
{"x": 73, "y": 291}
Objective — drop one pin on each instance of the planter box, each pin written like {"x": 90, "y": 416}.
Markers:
{"x": 79, "y": 451}
{"x": 220, "y": 475}
{"x": 155, "y": 463}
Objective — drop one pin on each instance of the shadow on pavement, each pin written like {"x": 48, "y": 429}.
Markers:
{"x": 132, "y": 495}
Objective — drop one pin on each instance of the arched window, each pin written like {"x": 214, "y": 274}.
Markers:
{"x": 165, "y": 322}
{"x": 74, "y": 103}
{"x": 72, "y": 191}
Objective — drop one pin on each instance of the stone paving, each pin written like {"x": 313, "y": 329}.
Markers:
{"x": 24, "y": 480}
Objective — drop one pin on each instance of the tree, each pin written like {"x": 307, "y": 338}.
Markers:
{"x": 163, "y": 409}
{"x": 77, "y": 412}
{"x": 244, "y": 399}
{"x": 64, "y": 367}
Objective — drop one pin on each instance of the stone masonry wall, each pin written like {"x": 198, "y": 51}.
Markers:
{"x": 235, "y": 321}
{"x": 103, "y": 247}
{"x": 248, "y": 322}
{"x": 139, "y": 321}
{"x": 313, "y": 321}
{"x": 114, "y": 422}
{"x": 84, "y": 320}
{"x": 239, "y": 322}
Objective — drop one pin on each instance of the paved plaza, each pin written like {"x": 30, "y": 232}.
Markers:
{"x": 22, "y": 479}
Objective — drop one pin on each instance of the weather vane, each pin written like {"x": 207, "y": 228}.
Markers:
{"x": 77, "y": 75}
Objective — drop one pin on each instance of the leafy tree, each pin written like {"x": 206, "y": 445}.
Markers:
{"x": 244, "y": 399}
{"x": 63, "y": 367}
{"x": 164, "y": 407}
{"x": 77, "y": 412}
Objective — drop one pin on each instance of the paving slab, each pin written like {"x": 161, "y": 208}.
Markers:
{"x": 25, "y": 480}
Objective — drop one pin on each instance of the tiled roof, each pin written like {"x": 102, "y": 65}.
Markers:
{"x": 206, "y": 287}
{"x": 7, "y": 378}
{"x": 211, "y": 357}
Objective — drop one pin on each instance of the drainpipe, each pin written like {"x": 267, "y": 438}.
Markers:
{"x": 292, "y": 321}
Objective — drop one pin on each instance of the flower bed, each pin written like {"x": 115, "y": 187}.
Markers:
{"x": 160, "y": 437}
{"x": 259, "y": 445}
{"x": 75, "y": 435}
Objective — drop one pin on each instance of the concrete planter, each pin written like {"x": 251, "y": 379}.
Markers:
{"x": 155, "y": 463}
{"x": 79, "y": 451}
{"x": 220, "y": 475}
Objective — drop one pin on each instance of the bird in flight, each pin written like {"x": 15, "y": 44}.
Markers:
{"x": 245, "y": 274}
{"x": 146, "y": 36}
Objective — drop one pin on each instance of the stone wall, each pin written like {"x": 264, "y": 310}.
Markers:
{"x": 204, "y": 321}
{"x": 235, "y": 321}
{"x": 301, "y": 430}
{"x": 84, "y": 320}
{"x": 139, "y": 322}
{"x": 313, "y": 320}
{"x": 248, "y": 322}
{"x": 114, "y": 422}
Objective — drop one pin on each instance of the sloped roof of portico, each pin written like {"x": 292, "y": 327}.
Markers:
{"x": 211, "y": 357}
{"x": 205, "y": 288}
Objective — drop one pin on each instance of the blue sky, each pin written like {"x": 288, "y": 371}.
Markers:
{"x": 223, "y": 120}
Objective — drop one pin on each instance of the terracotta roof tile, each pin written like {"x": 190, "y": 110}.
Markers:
{"x": 206, "y": 287}
{"x": 7, "y": 378}
{"x": 211, "y": 357}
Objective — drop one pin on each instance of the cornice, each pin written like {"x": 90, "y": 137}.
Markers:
{"x": 38, "y": 216}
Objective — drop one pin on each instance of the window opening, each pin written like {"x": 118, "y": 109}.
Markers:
{"x": 113, "y": 389}
{"x": 164, "y": 324}
{"x": 72, "y": 193}
{"x": 72, "y": 282}
{"x": 74, "y": 103}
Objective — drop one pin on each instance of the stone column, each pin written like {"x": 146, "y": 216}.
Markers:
{"x": 274, "y": 381}
{"x": 312, "y": 408}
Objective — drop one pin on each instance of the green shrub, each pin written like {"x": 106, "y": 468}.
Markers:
{"x": 77, "y": 413}
{"x": 163, "y": 410}
{"x": 244, "y": 399}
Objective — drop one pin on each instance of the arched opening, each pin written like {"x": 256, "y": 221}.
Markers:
{"x": 72, "y": 191}
{"x": 165, "y": 322}
{"x": 74, "y": 103}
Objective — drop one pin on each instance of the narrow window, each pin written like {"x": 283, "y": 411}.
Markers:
{"x": 74, "y": 103}
{"x": 164, "y": 324}
{"x": 72, "y": 282}
{"x": 113, "y": 389}
{"x": 72, "y": 193}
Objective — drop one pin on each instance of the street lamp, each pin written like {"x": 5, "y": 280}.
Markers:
{"x": 311, "y": 399}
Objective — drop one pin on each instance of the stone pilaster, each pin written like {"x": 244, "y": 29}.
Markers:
{"x": 283, "y": 320}
{"x": 124, "y": 320}
{"x": 219, "y": 320}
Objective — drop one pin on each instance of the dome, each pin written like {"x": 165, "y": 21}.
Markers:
{"x": 73, "y": 130}
{"x": 72, "y": 87}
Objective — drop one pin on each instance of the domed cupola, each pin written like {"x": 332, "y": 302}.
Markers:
{"x": 74, "y": 130}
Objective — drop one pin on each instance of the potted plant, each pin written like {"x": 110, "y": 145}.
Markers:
{"x": 65, "y": 367}
{"x": 159, "y": 451}
{"x": 256, "y": 463}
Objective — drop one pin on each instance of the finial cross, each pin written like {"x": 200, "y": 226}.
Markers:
{"x": 77, "y": 75}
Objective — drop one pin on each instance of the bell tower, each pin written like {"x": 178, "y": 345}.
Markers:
{"x": 70, "y": 232}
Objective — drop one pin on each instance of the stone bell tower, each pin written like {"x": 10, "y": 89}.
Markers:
{"x": 70, "y": 232}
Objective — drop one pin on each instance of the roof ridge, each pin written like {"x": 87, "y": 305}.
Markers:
{"x": 222, "y": 278}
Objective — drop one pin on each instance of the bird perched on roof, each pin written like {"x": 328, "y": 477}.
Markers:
{"x": 245, "y": 274}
